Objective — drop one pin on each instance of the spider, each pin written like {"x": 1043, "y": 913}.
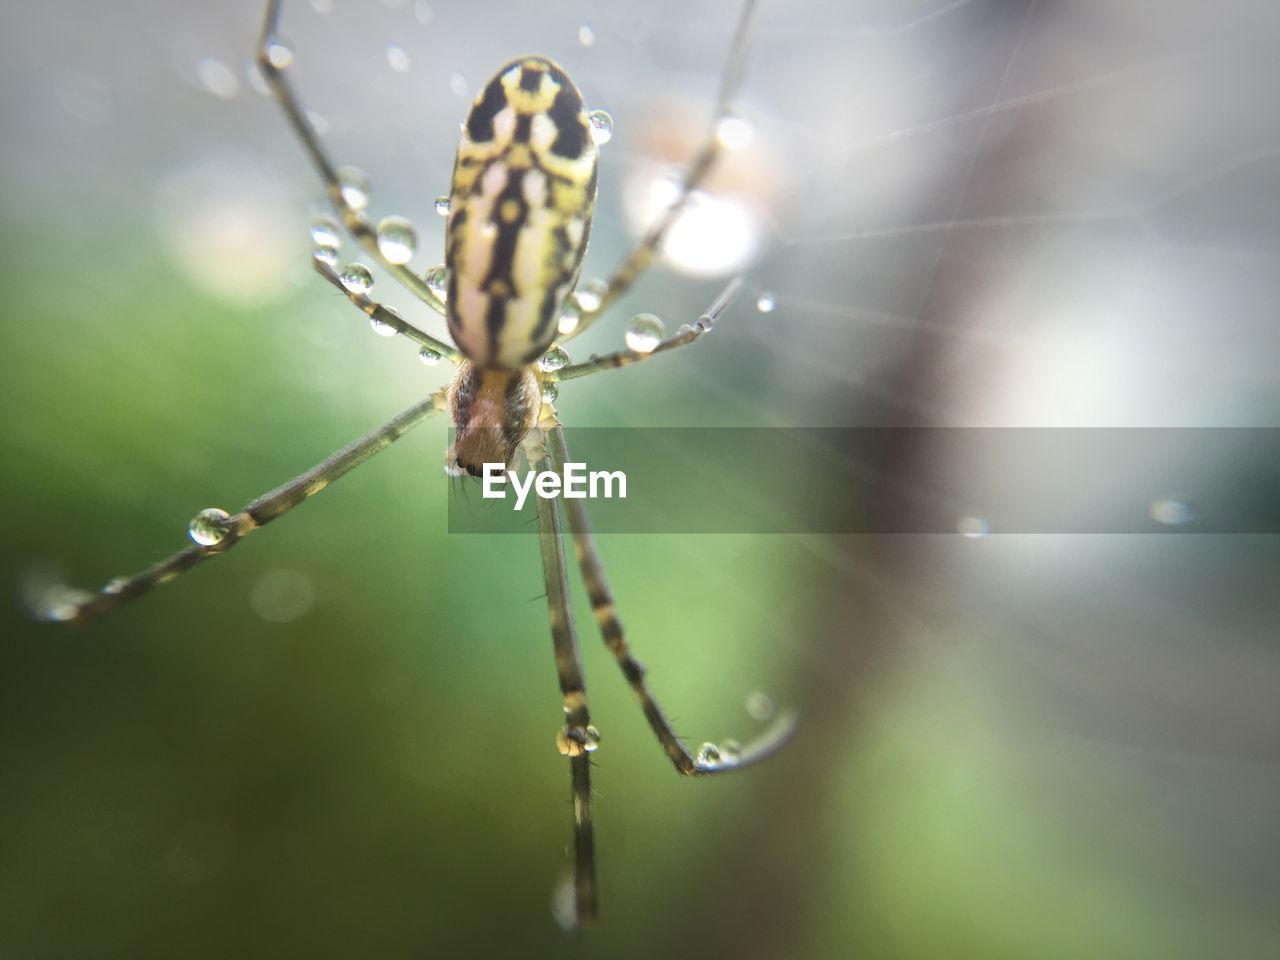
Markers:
{"x": 520, "y": 211}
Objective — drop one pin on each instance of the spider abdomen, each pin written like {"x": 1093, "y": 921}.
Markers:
{"x": 523, "y": 194}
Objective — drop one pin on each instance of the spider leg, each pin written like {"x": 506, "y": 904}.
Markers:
{"x": 578, "y": 738}
{"x": 79, "y": 607}
{"x": 273, "y": 66}
{"x": 385, "y": 315}
{"x": 602, "y": 605}
{"x": 683, "y": 337}
{"x": 647, "y": 248}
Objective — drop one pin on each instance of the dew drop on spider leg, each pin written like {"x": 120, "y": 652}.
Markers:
{"x": 644, "y": 333}
{"x": 356, "y": 278}
{"x": 381, "y": 327}
{"x": 734, "y": 132}
{"x": 557, "y": 358}
{"x": 550, "y": 391}
{"x": 601, "y": 126}
{"x": 397, "y": 240}
{"x": 590, "y": 295}
{"x": 113, "y": 586}
{"x": 324, "y": 233}
{"x": 354, "y": 184}
{"x": 428, "y": 356}
{"x": 279, "y": 55}
{"x": 442, "y": 206}
{"x": 570, "y": 317}
{"x": 209, "y": 526}
{"x": 437, "y": 279}
{"x": 708, "y": 755}
{"x": 731, "y": 750}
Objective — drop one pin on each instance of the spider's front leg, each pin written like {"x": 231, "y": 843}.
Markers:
{"x": 649, "y": 246}
{"x": 687, "y": 334}
{"x": 274, "y": 58}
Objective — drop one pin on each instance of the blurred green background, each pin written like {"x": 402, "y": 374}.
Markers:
{"x": 338, "y": 740}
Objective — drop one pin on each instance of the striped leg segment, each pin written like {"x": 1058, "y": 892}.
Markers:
{"x": 273, "y": 61}
{"x": 645, "y": 252}
{"x": 80, "y": 607}
{"x": 681, "y": 338}
{"x": 706, "y": 761}
{"x": 380, "y": 314}
{"x": 578, "y": 738}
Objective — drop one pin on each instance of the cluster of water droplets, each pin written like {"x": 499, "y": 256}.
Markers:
{"x": 325, "y": 240}
{"x": 209, "y": 526}
{"x": 644, "y": 333}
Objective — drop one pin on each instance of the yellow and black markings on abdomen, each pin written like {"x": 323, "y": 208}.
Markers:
{"x": 523, "y": 194}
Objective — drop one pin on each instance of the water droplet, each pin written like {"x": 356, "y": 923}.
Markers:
{"x": 708, "y": 755}
{"x": 684, "y": 329}
{"x": 381, "y": 327}
{"x": 759, "y": 705}
{"x": 356, "y": 278}
{"x": 428, "y": 356}
{"x": 734, "y": 132}
{"x": 575, "y": 741}
{"x": 397, "y": 240}
{"x": 397, "y": 58}
{"x": 590, "y": 295}
{"x": 554, "y": 359}
{"x": 325, "y": 255}
{"x": 442, "y": 206}
{"x": 209, "y": 526}
{"x": 975, "y": 528}
{"x": 216, "y": 77}
{"x": 731, "y": 750}
{"x": 601, "y": 126}
{"x": 766, "y": 303}
{"x": 1173, "y": 513}
{"x": 354, "y": 184}
{"x": 422, "y": 12}
{"x": 324, "y": 233}
{"x": 644, "y": 333}
{"x": 437, "y": 279}
{"x": 114, "y": 586}
{"x": 570, "y": 317}
{"x": 278, "y": 55}
{"x": 586, "y": 36}
{"x": 550, "y": 391}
